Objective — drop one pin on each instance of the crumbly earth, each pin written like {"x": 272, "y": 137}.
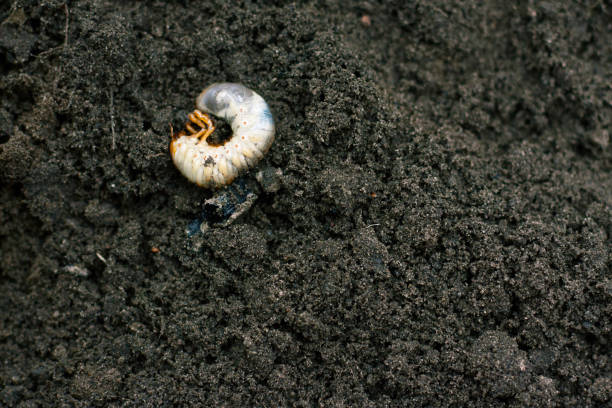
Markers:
{"x": 440, "y": 234}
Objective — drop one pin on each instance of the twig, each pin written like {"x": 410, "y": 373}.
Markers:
{"x": 112, "y": 116}
{"x": 67, "y": 24}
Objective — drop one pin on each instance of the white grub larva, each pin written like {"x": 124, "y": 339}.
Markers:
{"x": 215, "y": 165}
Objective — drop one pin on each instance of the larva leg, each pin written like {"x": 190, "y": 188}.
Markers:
{"x": 204, "y": 122}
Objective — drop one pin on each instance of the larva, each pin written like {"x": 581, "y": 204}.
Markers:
{"x": 213, "y": 166}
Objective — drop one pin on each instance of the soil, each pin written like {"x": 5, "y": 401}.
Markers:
{"x": 434, "y": 225}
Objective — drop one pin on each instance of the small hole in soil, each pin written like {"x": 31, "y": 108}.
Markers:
{"x": 4, "y": 138}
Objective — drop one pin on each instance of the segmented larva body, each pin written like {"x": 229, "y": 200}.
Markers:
{"x": 213, "y": 166}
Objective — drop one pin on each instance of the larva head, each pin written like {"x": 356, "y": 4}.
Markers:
{"x": 218, "y": 97}
{"x": 173, "y": 142}
{"x": 173, "y": 148}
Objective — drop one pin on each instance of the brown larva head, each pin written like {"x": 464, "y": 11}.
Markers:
{"x": 172, "y": 148}
{"x": 173, "y": 143}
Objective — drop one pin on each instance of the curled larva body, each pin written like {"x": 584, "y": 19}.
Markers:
{"x": 212, "y": 166}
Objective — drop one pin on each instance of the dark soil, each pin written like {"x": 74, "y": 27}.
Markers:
{"x": 441, "y": 237}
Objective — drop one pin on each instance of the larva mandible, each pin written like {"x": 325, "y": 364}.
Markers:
{"x": 213, "y": 166}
